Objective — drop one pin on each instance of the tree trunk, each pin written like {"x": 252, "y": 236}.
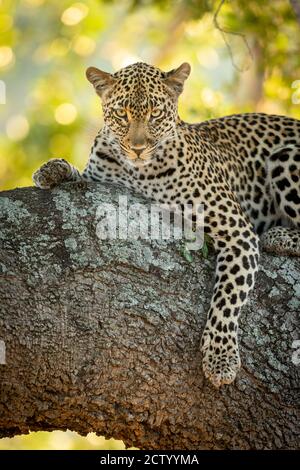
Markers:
{"x": 104, "y": 336}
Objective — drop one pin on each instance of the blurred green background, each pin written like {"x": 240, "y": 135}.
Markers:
{"x": 245, "y": 56}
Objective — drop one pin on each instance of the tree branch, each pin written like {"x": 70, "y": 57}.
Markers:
{"x": 226, "y": 32}
{"x": 104, "y": 336}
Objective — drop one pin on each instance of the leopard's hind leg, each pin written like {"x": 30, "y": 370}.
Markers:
{"x": 284, "y": 181}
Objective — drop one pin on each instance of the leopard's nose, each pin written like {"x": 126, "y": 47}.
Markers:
{"x": 138, "y": 150}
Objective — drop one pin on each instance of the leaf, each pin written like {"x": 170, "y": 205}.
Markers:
{"x": 205, "y": 250}
{"x": 186, "y": 254}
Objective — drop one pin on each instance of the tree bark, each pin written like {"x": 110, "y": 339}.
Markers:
{"x": 104, "y": 336}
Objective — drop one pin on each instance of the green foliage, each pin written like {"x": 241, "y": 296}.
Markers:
{"x": 185, "y": 252}
{"x": 207, "y": 246}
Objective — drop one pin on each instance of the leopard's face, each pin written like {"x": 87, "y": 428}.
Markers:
{"x": 140, "y": 111}
{"x": 140, "y": 106}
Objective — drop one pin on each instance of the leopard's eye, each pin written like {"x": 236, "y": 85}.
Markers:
{"x": 120, "y": 113}
{"x": 156, "y": 113}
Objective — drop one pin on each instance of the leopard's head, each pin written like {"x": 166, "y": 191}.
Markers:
{"x": 140, "y": 105}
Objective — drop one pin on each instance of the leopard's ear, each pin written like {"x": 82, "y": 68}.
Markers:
{"x": 176, "y": 77}
{"x": 102, "y": 81}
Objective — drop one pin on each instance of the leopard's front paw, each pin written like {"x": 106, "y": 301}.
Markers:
{"x": 52, "y": 173}
{"x": 221, "y": 359}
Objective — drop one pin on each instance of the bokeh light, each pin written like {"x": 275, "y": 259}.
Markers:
{"x": 17, "y": 127}
{"x": 74, "y": 14}
{"x": 6, "y": 56}
{"x": 208, "y": 58}
{"x": 65, "y": 113}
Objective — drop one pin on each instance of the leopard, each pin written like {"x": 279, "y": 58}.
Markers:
{"x": 243, "y": 169}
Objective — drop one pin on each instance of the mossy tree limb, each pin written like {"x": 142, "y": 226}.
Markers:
{"x": 104, "y": 336}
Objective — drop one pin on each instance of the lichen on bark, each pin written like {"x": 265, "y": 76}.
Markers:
{"x": 103, "y": 335}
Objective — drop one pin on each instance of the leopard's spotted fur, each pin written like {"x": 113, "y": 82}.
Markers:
{"x": 244, "y": 169}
